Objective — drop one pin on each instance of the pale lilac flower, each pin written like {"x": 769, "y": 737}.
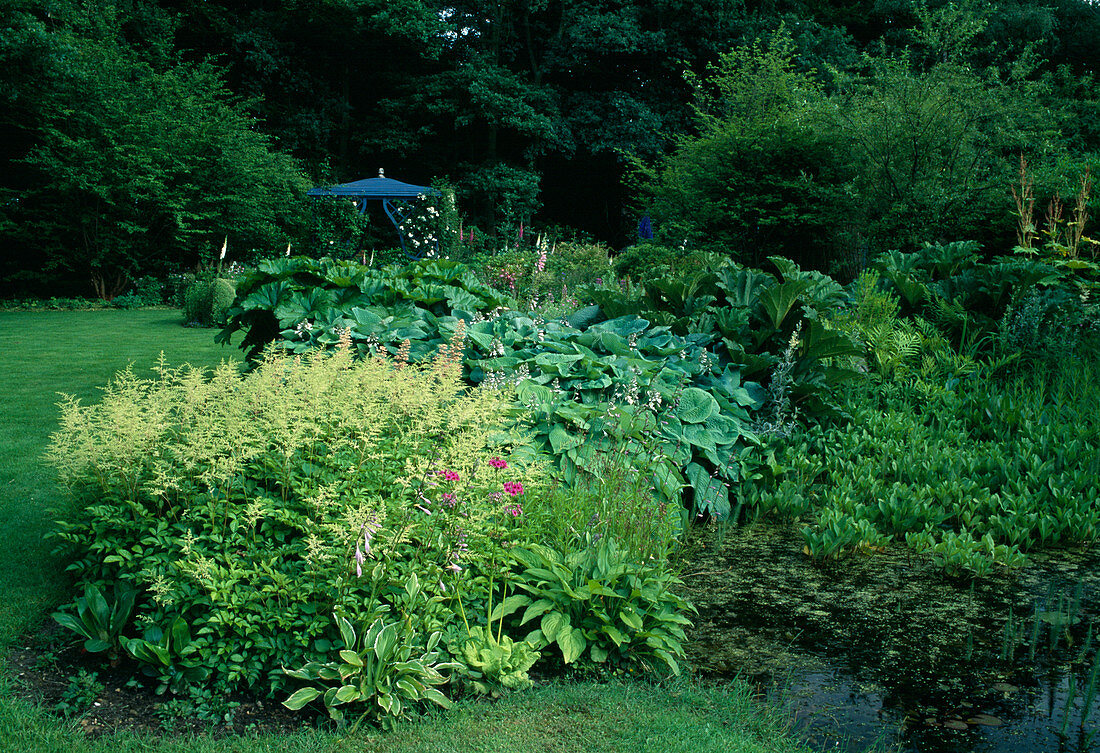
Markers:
{"x": 361, "y": 554}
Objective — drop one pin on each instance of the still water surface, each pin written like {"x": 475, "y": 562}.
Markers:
{"x": 882, "y": 648}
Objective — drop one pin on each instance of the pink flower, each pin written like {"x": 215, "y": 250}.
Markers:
{"x": 449, "y": 499}
{"x": 514, "y": 510}
{"x": 514, "y": 488}
{"x": 449, "y": 475}
{"x": 498, "y": 463}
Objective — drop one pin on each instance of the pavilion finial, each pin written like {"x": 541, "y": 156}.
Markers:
{"x": 381, "y": 173}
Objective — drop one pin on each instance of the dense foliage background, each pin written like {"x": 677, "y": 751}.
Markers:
{"x": 135, "y": 136}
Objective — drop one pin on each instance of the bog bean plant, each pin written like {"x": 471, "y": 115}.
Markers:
{"x": 424, "y": 486}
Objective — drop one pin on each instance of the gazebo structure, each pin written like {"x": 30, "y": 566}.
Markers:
{"x": 386, "y": 190}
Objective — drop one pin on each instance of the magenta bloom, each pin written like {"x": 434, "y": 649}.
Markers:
{"x": 498, "y": 463}
{"x": 514, "y": 488}
{"x": 514, "y": 510}
{"x": 449, "y": 475}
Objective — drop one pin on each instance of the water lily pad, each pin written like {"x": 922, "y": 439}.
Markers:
{"x": 985, "y": 720}
{"x": 1057, "y": 618}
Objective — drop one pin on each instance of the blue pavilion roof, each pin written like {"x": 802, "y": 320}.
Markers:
{"x": 373, "y": 188}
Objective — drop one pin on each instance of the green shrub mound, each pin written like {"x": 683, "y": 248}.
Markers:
{"x": 267, "y": 523}
{"x": 207, "y": 302}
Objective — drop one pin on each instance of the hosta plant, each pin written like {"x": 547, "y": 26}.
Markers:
{"x": 596, "y": 602}
{"x": 381, "y": 670}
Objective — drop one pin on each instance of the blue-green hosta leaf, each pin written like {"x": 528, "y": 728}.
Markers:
{"x": 527, "y": 391}
{"x": 557, "y": 363}
{"x": 370, "y": 319}
{"x": 561, "y": 440}
{"x": 696, "y": 406}
{"x": 600, "y": 383}
{"x": 481, "y": 334}
{"x": 723, "y": 429}
{"x": 623, "y": 326}
{"x": 700, "y": 436}
{"x": 574, "y": 414}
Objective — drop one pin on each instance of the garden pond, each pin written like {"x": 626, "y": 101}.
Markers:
{"x": 883, "y": 648}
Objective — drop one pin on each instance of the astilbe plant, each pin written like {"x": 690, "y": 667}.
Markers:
{"x": 255, "y": 507}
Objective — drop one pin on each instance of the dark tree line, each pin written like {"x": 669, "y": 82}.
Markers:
{"x": 135, "y": 135}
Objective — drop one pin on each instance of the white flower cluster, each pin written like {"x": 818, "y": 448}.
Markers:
{"x": 498, "y": 380}
{"x": 628, "y": 395}
{"x": 706, "y": 361}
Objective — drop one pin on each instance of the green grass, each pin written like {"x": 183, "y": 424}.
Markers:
{"x": 558, "y": 718}
{"x": 76, "y": 352}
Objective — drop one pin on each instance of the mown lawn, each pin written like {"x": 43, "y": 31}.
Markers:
{"x": 76, "y": 352}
